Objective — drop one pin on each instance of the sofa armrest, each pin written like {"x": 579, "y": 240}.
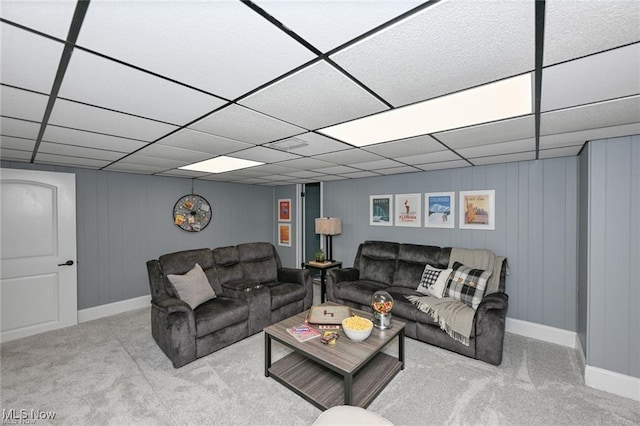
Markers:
{"x": 173, "y": 327}
{"x": 490, "y": 323}
{"x": 298, "y": 276}
{"x": 171, "y": 305}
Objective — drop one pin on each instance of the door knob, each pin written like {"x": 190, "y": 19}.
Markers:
{"x": 67, "y": 263}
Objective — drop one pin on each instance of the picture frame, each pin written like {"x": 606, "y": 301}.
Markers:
{"x": 381, "y": 210}
{"x": 284, "y": 234}
{"x": 440, "y": 210}
{"x": 284, "y": 210}
{"x": 478, "y": 209}
{"x": 408, "y": 208}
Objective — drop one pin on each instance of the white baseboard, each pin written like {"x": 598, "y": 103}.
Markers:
{"x": 581, "y": 356}
{"x": 545, "y": 333}
{"x": 612, "y": 382}
{"x": 114, "y": 308}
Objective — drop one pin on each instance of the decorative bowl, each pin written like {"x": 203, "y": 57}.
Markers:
{"x": 357, "y": 328}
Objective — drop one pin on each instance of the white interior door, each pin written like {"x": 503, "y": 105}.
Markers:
{"x": 38, "y": 291}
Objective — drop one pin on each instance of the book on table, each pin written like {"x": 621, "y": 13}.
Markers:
{"x": 303, "y": 332}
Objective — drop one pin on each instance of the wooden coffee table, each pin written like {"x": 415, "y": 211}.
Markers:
{"x": 347, "y": 373}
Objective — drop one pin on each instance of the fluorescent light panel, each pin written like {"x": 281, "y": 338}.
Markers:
{"x": 496, "y": 101}
{"x": 221, "y": 164}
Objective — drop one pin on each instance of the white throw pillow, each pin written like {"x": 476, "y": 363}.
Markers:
{"x": 433, "y": 281}
{"x": 192, "y": 287}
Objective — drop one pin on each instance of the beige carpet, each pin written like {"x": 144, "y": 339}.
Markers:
{"x": 110, "y": 371}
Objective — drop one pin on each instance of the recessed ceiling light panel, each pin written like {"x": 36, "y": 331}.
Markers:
{"x": 496, "y": 101}
{"x": 221, "y": 164}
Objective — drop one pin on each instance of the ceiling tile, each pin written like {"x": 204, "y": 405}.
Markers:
{"x": 304, "y": 174}
{"x": 483, "y": 134}
{"x": 328, "y": 24}
{"x": 162, "y": 163}
{"x": 337, "y": 170}
{"x": 315, "y": 97}
{"x": 183, "y": 173}
{"x": 405, "y": 147}
{"x": 578, "y": 28}
{"x": 20, "y": 144}
{"x": 600, "y": 77}
{"x": 498, "y": 149}
{"x": 91, "y": 140}
{"x": 352, "y": 156}
{"x": 327, "y": 178}
{"x": 43, "y": 158}
{"x": 264, "y": 155}
{"x": 398, "y": 62}
{"x": 601, "y": 114}
{"x": 29, "y": 61}
{"x": 171, "y": 153}
{"x": 84, "y": 117}
{"x": 270, "y": 169}
{"x": 431, "y": 157}
{"x": 50, "y": 17}
{"x": 22, "y": 104}
{"x": 560, "y": 152}
{"x": 444, "y": 165}
{"x": 14, "y": 154}
{"x": 306, "y": 164}
{"x": 78, "y": 151}
{"x": 19, "y": 128}
{"x": 397, "y": 170}
{"x": 243, "y": 124}
{"x": 276, "y": 177}
{"x": 576, "y": 138}
{"x": 313, "y": 144}
{"x": 356, "y": 175}
{"x": 204, "y": 142}
{"x": 102, "y": 82}
{"x": 378, "y": 164}
{"x": 251, "y": 181}
{"x": 197, "y": 40}
{"x": 507, "y": 158}
{"x": 135, "y": 168}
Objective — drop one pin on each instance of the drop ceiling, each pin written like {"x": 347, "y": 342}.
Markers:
{"x": 152, "y": 86}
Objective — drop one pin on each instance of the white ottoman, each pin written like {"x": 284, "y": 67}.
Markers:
{"x": 348, "y": 416}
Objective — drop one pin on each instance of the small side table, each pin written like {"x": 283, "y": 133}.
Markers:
{"x": 322, "y": 267}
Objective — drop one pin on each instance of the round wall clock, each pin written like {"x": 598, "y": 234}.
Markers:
{"x": 192, "y": 213}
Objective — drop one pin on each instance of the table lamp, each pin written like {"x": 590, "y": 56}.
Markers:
{"x": 328, "y": 226}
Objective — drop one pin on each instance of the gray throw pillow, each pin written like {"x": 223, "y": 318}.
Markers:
{"x": 192, "y": 287}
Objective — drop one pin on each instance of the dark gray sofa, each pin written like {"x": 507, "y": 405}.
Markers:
{"x": 252, "y": 289}
{"x": 397, "y": 269}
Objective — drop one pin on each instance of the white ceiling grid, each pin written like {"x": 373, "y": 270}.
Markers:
{"x": 151, "y": 86}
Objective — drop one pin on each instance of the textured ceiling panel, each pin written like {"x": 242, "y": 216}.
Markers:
{"x": 444, "y": 165}
{"x": 412, "y": 146}
{"x": 378, "y": 164}
{"x": 498, "y": 148}
{"x": 22, "y": 104}
{"x": 236, "y": 122}
{"x": 183, "y": 173}
{"x": 467, "y": 38}
{"x": 560, "y": 152}
{"x": 171, "y": 153}
{"x": 578, "y": 28}
{"x": 431, "y": 157}
{"x": 304, "y": 174}
{"x": 397, "y": 170}
{"x": 306, "y": 164}
{"x": 19, "y": 128}
{"x": 50, "y": 17}
{"x": 78, "y": 151}
{"x": 204, "y": 142}
{"x": 135, "y": 168}
{"x": 196, "y": 40}
{"x": 576, "y": 138}
{"x": 264, "y": 155}
{"x": 313, "y": 144}
{"x": 90, "y": 140}
{"x": 29, "y": 61}
{"x": 143, "y": 160}
{"x": 14, "y": 154}
{"x": 608, "y": 75}
{"x": 83, "y": 117}
{"x": 484, "y": 134}
{"x": 98, "y": 81}
{"x": 328, "y": 24}
{"x": 356, "y": 175}
{"x": 602, "y": 114}
{"x": 90, "y": 163}
{"x": 17, "y": 143}
{"x": 315, "y": 97}
{"x": 507, "y": 158}
{"x": 337, "y": 170}
{"x": 349, "y": 156}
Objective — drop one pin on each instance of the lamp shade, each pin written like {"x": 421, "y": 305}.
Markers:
{"x": 328, "y": 226}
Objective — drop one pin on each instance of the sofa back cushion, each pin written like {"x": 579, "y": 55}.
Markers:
{"x": 377, "y": 261}
{"x": 227, "y": 264}
{"x": 412, "y": 259}
{"x": 258, "y": 261}
{"x": 179, "y": 263}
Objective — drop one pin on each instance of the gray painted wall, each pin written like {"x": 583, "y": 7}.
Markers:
{"x": 125, "y": 219}
{"x": 287, "y": 254}
{"x": 583, "y": 247}
{"x": 536, "y": 217}
{"x": 613, "y": 329}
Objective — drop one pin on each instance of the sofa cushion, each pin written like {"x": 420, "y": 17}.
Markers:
{"x": 466, "y": 284}
{"x": 377, "y": 261}
{"x": 181, "y": 262}
{"x": 219, "y": 313}
{"x": 258, "y": 261}
{"x": 434, "y": 281}
{"x": 357, "y": 291}
{"x": 192, "y": 287}
{"x": 283, "y": 294}
{"x": 227, "y": 264}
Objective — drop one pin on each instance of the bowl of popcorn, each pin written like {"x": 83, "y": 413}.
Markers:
{"x": 357, "y": 328}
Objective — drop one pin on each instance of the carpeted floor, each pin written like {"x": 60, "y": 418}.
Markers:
{"x": 110, "y": 371}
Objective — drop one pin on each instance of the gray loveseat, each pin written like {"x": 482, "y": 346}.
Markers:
{"x": 397, "y": 268}
{"x": 252, "y": 291}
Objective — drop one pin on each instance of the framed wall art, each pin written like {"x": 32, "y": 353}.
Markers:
{"x": 284, "y": 234}
{"x": 284, "y": 210}
{"x": 408, "y": 210}
{"x": 439, "y": 210}
{"x": 380, "y": 210}
{"x": 478, "y": 209}
{"x": 192, "y": 213}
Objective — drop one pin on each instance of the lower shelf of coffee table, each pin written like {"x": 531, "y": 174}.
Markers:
{"x": 325, "y": 388}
